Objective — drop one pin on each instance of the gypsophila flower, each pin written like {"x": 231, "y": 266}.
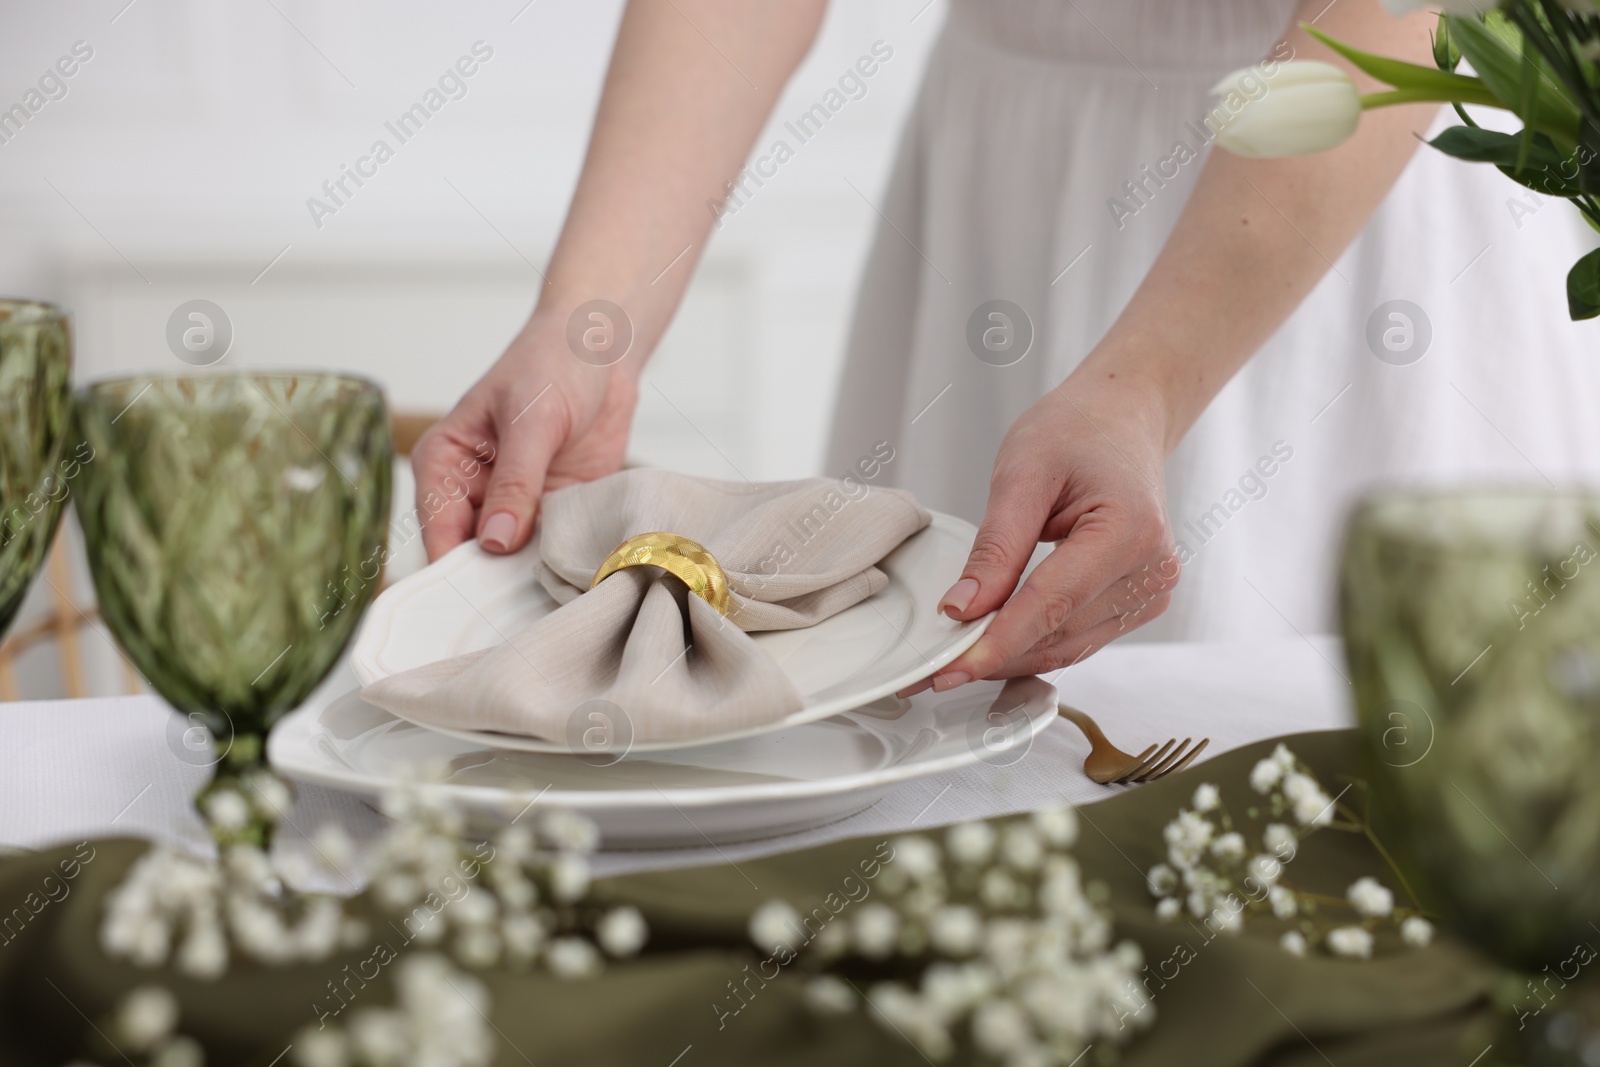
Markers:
{"x": 829, "y": 995}
{"x": 227, "y": 810}
{"x": 573, "y": 957}
{"x": 1162, "y": 880}
{"x": 1001, "y": 1027}
{"x": 1280, "y": 840}
{"x": 269, "y": 795}
{"x": 1416, "y": 931}
{"x": 478, "y": 947}
{"x": 1058, "y": 826}
{"x": 875, "y": 930}
{"x": 1311, "y": 806}
{"x": 1283, "y": 901}
{"x": 1186, "y": 837}
{"x": 321, "y": 1048}
{"x": 1370, "y": 899}
{"x": 570, "y": 831}
{"x": 1264, "y": 869}
{"x": 523, "y": 935}
{"x": 1022, "y": 958}
{"x": 1230, "y": 846}
{"x": 998, "y": 889}
{"x": 622, "y": 932}
{"x": 1293, "y": 942}
{"x": 773, "y": 925}
{"x": 1265, "y": 776}
{"x": 970, "y": 843}
{"x": 1021, "y": 847}
{"x": 918, "y": 856}
{"x": 956, "y": 930}
{"x": 146, "y": 1017}
{"x": 1350, "y": 941}
{"x": 1168, "y": 909}
{"x": 440, "y": 1019}
{"x": 1206, "y": 797}
{"x": 569, "y": 877}
{"x": 181, "y": 1051}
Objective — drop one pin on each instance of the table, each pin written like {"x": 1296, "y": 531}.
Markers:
{"x": 74, "y": 769}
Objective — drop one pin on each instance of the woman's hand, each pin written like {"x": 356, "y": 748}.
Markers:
{"x": 1083, "y": 467}
{"x": 540, "y": 419}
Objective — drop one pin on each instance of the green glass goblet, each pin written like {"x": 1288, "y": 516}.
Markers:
{"x": 236, "y": 527}
{"x": 36, "y": 468}
{"x": 1472, "y": 628}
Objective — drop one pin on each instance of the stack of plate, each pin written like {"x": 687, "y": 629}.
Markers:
{"x": 851, "y": 742}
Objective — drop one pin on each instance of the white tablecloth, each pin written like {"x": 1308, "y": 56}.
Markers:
{"x": 72, "y": 769}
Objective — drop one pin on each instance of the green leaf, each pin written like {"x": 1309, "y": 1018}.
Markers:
{"x": 1403, "y": 75}
{"x": 1501, "y": 64}
{"x": 1583, "y": 287}
{"x": 1545, "y": 167}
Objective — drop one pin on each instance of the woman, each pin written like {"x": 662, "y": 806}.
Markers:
{"x": 1057, "y": 162}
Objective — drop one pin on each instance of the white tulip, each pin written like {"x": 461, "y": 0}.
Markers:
{"x": 1304, "y": 107}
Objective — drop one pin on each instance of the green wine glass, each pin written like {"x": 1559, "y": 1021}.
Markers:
{"x": 36, "y": 468}
{"x": 236, "y": 527}
{"x": 1472, "y": 627}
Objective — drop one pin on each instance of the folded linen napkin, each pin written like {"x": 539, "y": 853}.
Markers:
{"x": 795, "y": 553}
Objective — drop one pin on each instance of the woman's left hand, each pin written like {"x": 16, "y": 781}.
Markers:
{"x": 1082, "y": 467}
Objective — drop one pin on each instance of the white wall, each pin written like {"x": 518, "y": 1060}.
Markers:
{"x": 179, "y": 162}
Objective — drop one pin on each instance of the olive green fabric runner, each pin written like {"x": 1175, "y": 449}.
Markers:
{"x": 1224, "y": 1001}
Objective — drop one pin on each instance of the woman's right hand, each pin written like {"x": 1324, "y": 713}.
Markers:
{"x": 540, "y": 419}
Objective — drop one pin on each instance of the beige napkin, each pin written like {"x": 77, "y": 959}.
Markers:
{"x": 639, "y": 646}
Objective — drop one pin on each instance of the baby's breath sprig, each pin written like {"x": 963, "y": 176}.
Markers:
{"x": 1013, "y": 952}
{"x": 519, "y": 901}
{"x": 1214, "y": 875}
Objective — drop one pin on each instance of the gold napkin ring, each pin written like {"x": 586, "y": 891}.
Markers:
{"x": 678, "y": 556}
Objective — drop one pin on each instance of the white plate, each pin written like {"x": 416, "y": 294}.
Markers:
{"x": 471, "y": 599}
{"x": 778, "y": 783}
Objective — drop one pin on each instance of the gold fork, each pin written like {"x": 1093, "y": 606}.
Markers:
{"x": 1109, "y": 765}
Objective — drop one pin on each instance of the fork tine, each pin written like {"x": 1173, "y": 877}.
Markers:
{"x": 1145, "y": 763}
{"x": 1204, "y": 741}
{"x": 1152, "y": 773}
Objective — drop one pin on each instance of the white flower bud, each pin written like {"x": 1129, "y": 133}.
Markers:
{"x": 1161, "y": 880}
{"x": 1416, "y": 931}
{"x": 1350, "y": 941}
{"x": 1293, "y": 942}
{"x": 622, "y": 931}
{"x": 918, "y": 856}
{"x": 875, "y": 930}
{"x": 227, "y": 810}
{"x": 774, "y": 925}
{"x": 147, "y": 1016}
{"x": 1229, "y": 846}
{"x": 1370, "y": 899}
{"x": 573, "y": 957}
{"x": 1059, "y": 826}
{"x": 1280, "y": 840}
{"x": 828, "y": 995}
{"x": 971, "y": 843}
{"x": 956, "y": 930}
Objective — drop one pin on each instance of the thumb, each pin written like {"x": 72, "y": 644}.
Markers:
{"x": 528, "y": 443}
{"x": 1018, "y": 508}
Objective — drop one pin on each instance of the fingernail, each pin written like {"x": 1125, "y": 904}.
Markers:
{"x": 498, "y": 531}
{"x": 943, "y": 683}
{"x": 914, "y": 688}
{"x": 960, "y": 596}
